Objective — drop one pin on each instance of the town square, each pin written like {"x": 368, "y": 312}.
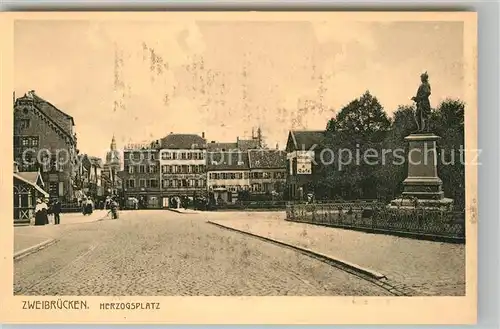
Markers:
{"x": 282, "y": 170}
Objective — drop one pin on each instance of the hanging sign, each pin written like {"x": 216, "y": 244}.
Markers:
{"x": 304, "y": 163}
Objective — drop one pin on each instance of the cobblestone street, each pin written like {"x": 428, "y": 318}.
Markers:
{"x": 165, "y": 253}
{"x": 419, "y": 267}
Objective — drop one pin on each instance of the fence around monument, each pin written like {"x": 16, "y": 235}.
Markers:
{"x": 419, "y": 223}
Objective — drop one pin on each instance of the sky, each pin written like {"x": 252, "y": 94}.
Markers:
{"x": 142, "y": 80}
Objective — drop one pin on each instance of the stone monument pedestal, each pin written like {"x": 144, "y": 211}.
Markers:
{"x": 422, "y": 186}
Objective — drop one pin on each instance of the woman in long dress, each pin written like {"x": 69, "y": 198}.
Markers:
{"x": 41, "y": 217}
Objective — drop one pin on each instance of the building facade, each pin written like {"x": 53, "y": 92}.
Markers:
{"x": 267, "y": 171}
{"x": 44, "y": 141}
{"x": 182, "y": 160}
{"x": 228, "y": 173}
{"x": 88, "y": 182}
{"x": 140, "y": 175}
{"x": 28, "y": 186}
{"x": 303, "y": 163}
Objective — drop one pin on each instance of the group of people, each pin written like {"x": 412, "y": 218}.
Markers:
{"x": 44, "y": 208}
{"x": 87, "y": 206}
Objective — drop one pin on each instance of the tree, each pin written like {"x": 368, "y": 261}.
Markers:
{"x": 358, "y": 129}
{"x": 447, "y": 121}
{"x": 394, "y": 169}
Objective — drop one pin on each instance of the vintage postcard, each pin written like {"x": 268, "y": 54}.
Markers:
{"x": 239, "y": 167}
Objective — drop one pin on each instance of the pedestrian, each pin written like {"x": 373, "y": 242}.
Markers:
{"x": 114, "y": 209}
{"x": 41, "y": 217}
{"x": 56, "y": 210}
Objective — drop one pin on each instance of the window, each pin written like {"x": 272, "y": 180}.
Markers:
{"x": 190, "y": 156}
{"x": 154, "y": 183}
{"x": 174, "y": 155}
{"x": 131, "y": 169}
{"x": 61, "y": 189}
{"x": 163, "y": 169}
{"x": 131, "y": 183}
{"x": 142, "y": 183}
{"x": 164, "y": 183}
{"x": 53, "y": 189}
{"x": 142, "y": 169}
{"x": 54, "y": 166}
{"x": 24, "y": 123}
{"x": 152, "y": 169}
{"x": 279, "y": 175}
{"x": 164, "y": 156}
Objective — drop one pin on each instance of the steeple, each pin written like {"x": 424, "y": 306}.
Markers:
{"x": 113, "y": 143}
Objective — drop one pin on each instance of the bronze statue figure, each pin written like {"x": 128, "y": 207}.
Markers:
{"x": 423, "y": 105}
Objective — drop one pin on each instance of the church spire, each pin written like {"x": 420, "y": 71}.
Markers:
{"x": 113, "y": 143}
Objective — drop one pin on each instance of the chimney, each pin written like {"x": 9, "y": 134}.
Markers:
{"x": 203, "y": 135}
{"x": 237, "y": 139}
{"x": 277, "y": 147}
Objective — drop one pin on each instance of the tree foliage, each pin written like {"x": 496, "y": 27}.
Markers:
{"x": 363, "y": 124}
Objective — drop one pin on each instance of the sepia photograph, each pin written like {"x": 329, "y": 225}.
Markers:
{"x": 242, "y": 155}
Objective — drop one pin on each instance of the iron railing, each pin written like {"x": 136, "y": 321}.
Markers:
{"x": 376, "y": 217}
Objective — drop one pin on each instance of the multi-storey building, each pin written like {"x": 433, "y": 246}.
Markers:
{"x": 44, "y": 141}
{"x": 267, "y": 171}
{"x": 304, "y": 163}
{"x": 183, "y": 166}
{"x": 88, "y": 180}
{"x": 227, "y": 174}
{"x": 141, "y": 174}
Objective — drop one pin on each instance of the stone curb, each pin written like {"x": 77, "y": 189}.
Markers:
{"x": 357, "y": 268}
{"x": 181, "y": 212}
{"x": 30, "y": 250}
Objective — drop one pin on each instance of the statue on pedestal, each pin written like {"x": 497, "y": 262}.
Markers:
{"x": 423, "y": 105}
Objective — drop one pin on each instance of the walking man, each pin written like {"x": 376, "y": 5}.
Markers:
{"x": 56, "y": 210}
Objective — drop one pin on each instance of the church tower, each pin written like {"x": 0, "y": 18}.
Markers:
{"x": 113, "y": 158}
{"x": 112, "y": 167}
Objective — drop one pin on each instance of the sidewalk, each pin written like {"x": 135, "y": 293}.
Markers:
{"x": 421, "y": 267}
{"x": 29, "y": 237}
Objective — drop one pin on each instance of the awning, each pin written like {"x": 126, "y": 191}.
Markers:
{"x": 38, "y": 188}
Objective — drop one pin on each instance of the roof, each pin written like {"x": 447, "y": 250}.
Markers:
{"x": 183, "y": 141}
{"x": 32, "y": 176}
{"x": 267, "y": 159}
{"x": 221, "y": 146}
{"x": 305, "y": 139}
{"x": 62, "y": 120}
{"x": 29, "y": 182}
{"x": 96, "y": 161}
{"x": 227, "y": 161}
{"x": 247, "y": 144}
